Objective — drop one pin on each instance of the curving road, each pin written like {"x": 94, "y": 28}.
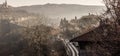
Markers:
{"x": 70, "y": 48}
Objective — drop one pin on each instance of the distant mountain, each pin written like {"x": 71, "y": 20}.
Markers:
{"x": 53, "y": 13}
{"x": 62, "y": 10}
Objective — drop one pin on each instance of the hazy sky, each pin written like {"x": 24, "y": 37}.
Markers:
{"x": 34, "y": 2}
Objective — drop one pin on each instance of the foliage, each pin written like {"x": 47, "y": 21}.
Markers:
{"x": 76, "y": 26}
{"x": 42, "y": 43}
{"x": 38, "y": 38}
{"x": 108, "y": 33}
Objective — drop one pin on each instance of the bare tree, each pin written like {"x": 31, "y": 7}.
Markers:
{"x": 108, "y": 32}
{"x": 113, "y": 9}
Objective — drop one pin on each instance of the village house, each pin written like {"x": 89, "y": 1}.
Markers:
{"x": 98, "y": 36}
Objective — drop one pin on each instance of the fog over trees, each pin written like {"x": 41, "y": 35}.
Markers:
{"x": 25, "y": 32}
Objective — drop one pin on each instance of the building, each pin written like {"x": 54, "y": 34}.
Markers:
{"x": 5, "y": 5}
{"x": 84, "y": 41}
{"x": 98, "y": 35}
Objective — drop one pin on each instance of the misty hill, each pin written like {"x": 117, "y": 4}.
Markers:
{"x": 20, "y": 17}
{"x": 62, "y": 10}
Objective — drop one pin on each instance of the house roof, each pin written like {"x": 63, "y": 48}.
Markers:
{"x": 96, "y": 34}
{"x": 84, "y": 37}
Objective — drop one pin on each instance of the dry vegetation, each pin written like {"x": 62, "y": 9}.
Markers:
{"x": 39, "y": 41}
